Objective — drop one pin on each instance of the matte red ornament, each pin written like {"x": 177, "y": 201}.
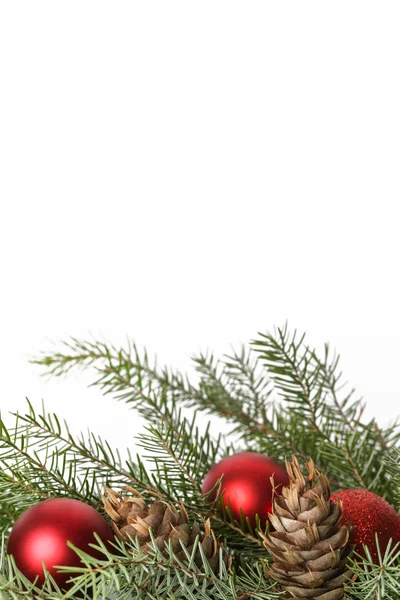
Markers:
{"x": 41, "y": 534}
{"x": 368, "y": 514}
{"x": 246, "y": 484}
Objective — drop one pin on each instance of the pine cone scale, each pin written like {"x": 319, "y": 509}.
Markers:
{"x": 303, "y": 593}
{"x": 338, "y": 539}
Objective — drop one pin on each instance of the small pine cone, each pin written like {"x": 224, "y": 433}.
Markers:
{"x": 131, "y": 515}
{"x": 309, "y": 549}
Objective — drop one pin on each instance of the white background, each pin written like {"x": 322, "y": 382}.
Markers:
{"x": 191, "y": 173}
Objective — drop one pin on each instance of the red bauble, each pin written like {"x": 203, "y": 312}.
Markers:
{"x": 246, "y": 484}
{"x": 41, "y": 534}
{"x": 368, "y": 514}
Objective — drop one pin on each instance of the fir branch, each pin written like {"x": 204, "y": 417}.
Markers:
{"x": 128, "y": 376}
{"x": 131, "y": 573}
{"x": 248, "y": 381}
{"x": 334, "y": 434}
{"x": 178, "y": 460}
{"x": 376, "y": 581}
{"x": 296, "y": 376}
{"x": 179, "y": 471}
{"x": 393, "y": 466}
{"x": 72, "y": 468}
{"x": 127, "y": 373}
{"x": 318, "y": 416}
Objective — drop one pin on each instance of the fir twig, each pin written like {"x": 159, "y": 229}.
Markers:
{"x": 281, "y": 397}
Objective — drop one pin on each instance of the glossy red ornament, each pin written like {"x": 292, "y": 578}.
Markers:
{"x": 368, "y": 514}
{"x": 41, "y": 534}
{"x": 246, "y": 484}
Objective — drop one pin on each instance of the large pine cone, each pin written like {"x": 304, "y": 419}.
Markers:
{"x": 310, "y": 550}
{"x": 132, "y": 516}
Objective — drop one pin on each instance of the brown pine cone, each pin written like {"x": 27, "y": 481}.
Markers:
{"x": 132, "y": 516}
{"x": 310, "y": 550}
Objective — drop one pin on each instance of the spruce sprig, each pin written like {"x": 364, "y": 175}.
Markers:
{"x": 327, "y": 419}
{"x": 129, "y": 573}
{"x": 280, "y": 397}
{"x": 178, "y": 472}
{"x": 377, "y": 581}
{"x": 39, "y": 459}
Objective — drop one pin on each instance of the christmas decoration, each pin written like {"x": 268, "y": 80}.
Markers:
{"x": 309, "y": 550}
{"x": 246, "y": 484}
{"x": 132, "y": 516}
{"x": 368, "y": 514}
{"x": 41, "y": 534}
{"x": 307, "y": 553}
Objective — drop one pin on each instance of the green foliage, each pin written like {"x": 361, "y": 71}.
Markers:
{"x": 322, "y": 417}
{"x": 280, "y": 397}
{"x": 377, "y": 581}
{"x": 393, "y": 466}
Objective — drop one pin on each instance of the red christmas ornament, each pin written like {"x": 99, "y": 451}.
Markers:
{"x": 41, "y": 534}
{"x": 368, "y": 514}
{"x": 246, "y": 484}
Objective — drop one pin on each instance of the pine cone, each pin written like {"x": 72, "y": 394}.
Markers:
{"x": 310, "y": 550}
{"x": 132, "y": 516}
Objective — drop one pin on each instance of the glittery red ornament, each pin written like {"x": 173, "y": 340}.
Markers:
{"x": 246, "y": 484}
{"x": 41, "y": 534}
{"x": 368, "y": 514}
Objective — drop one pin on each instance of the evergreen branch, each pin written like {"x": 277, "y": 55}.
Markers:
{"x": 131, "y": 573}
{"x": 73, "y": 468}
{"x": 154, "y": 575}
{"x": 123, "y": 373}
{"x": 128, "y": 376}
{"x": 318, "y": 417}
{"x": 179, "y": 472}
{"x": 214, "y": 393}
{"x": 177, "y": 458}
{"x": 343, "y": 411}
{"x": 248, "y": 381}
{"x": 294, "y": 374}
{"x": 334, "y": 435}
{"x": 393, "y": 465}
{"x": 376, "y": 581}
{"x": 154, "y": 393}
